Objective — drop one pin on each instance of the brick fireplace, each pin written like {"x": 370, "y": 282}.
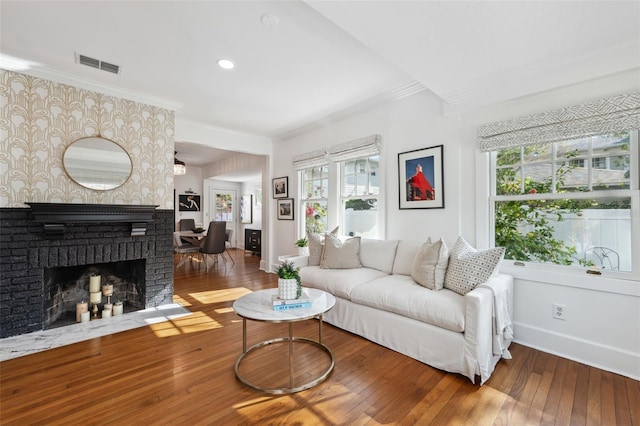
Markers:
{"x": 32, "y": 246}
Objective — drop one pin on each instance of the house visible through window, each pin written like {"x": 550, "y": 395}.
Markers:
{"x": 360, "y": 188}
{"x": 573, "y": 202}
{"x": 339, "y": 185}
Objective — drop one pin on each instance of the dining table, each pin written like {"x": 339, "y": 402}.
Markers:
{"x": 193, "y": 238}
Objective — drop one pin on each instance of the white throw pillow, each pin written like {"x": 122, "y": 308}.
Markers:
{"x": 405, "y": 255}
{"x": 316, "y": 241}
{"x": 469, "y": 267}
{"x": 338, "y": 254}
{"x": 378, "y": 254}
{"x": 430, "y": 265}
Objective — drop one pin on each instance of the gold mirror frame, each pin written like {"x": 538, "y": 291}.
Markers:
{"x": 97, "y": 163}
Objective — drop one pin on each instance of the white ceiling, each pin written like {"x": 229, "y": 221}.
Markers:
{"x": 323, "y": 59}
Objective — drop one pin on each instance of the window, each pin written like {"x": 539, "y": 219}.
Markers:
{"x": 315, "y": 188}
{"x": 340, "y": 185}
{"x": 572, "y": 202}
{"x": 360, "y": 189}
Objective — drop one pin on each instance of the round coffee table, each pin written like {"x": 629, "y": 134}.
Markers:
{"x": 258, "y": 306}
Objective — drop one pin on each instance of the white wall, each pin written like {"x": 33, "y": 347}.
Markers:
{"x": 603, "y": 314}
{"x": 411, "y": 123}
{"x": 192, "y": 180}
{"x": 251, "y": 188}
{"x": 602, "y": 327}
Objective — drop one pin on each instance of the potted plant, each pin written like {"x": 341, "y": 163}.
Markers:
{"x": 303, "y": 249}
{"x": 289, "y": 282}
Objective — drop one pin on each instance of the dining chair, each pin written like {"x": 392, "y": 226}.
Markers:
{"x": 227, "y": 244}
{"x": 182, "y": 249}
{"x": 186, "y": 225}
{"x": 214, "y": 242}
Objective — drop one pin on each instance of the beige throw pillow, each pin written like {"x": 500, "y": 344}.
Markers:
{"x": 430, "y": 265}
{"x": 340, "y": 255}
{"x": 316, "y": 241}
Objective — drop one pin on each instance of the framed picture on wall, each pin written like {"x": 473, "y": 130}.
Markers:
{"x": 285, "y": 209}
{"x": 189, "y": 203}
{"x": 246, "y": 208}
{"x": 281, "y": 187}
{"x": 421, "y": 178}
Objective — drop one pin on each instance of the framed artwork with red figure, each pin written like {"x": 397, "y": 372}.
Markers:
{"x": 421, "y": 178}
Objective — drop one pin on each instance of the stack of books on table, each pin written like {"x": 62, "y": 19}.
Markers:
{"x": 284, "y": 304}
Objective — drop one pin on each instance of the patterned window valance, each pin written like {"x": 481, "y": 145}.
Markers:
{"x": 363, "y": 147}
{"x": 311, "y": 159}
{"x": 599, "y": 117}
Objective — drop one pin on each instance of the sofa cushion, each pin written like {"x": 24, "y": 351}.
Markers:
{"x": 316, "y": 242}
{"x": 430, "y": 265}
{"x": 378, "y": 254}
{"x": 401, "y": 295}
{"x": 469, "y": 267}
{"x": 405, "y": 255}
{"x": 339, "y": 282}
{"x": 337, "y": 254}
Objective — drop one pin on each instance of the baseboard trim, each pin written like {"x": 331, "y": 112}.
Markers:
{"x": 604, "y": 357}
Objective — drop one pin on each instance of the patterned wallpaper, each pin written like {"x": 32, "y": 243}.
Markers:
{"x": 40, "y": 118}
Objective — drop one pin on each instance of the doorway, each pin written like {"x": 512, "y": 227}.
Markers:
{"x": 223, "y": 207}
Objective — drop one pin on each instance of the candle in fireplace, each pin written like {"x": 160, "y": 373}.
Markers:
{"x": 95, "y": 297}
{"x": 80, "y": 308}
{"x": 107, "y": 289}
{"x": 94, "y": 283}
{"x": 118, "y": 309}
{"x": 106, "y": 313}
{"x": 85, "y": 317}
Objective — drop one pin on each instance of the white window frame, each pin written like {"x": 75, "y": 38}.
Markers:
{"x": 304, "y": 200}
{"x": 333, "y": 156}
{"x": 633, "y": 193}
{"x": 344, "y": 198}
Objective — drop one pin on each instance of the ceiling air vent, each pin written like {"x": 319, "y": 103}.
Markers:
{"x": 96, "y": 63}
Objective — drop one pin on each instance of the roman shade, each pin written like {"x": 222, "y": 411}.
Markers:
{"x": 599, "y": 117}
{"x": 358, "y": 148}
{"x": 311, "y": 159}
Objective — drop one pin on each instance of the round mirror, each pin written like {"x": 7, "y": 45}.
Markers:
{"x": 97, "y": 163}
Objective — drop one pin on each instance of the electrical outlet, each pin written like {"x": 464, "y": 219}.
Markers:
{"x": 559, "y": 311}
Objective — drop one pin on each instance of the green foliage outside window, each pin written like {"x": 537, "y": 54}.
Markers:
{"x": 358, "y": 204}
{"x": 538, "y": 244}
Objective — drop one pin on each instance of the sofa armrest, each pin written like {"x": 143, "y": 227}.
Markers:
{"x": 298, "y": 260}
{"x": 486, "y": 337}
{"x": 478, "y": 333}
{"x": 478, "y": 313}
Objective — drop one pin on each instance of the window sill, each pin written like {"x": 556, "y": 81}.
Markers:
{"x": 607, "y": 282}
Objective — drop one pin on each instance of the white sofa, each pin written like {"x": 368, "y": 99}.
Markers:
{"x": 381, "y": 302}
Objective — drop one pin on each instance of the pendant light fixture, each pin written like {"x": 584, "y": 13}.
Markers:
{"x": 179, "y": 168}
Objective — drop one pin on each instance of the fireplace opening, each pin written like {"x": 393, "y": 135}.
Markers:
{"x": 65, "y": 287}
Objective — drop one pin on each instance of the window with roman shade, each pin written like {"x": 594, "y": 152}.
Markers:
{"x": 353, "y": 167}
{"x": 565, "y": 185}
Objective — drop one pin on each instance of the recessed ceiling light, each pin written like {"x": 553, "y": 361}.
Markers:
{"x": 269, "y": 20}
{"x": 226, "y": 64}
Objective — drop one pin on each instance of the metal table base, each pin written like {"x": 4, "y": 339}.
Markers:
{"x": 290, "y": 340}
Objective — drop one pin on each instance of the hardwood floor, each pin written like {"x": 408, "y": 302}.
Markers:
{"x": 181, "y": 372}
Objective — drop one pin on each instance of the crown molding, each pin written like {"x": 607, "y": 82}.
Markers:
{"x": 403, "y": 91}
{"x": 512, "y": 84}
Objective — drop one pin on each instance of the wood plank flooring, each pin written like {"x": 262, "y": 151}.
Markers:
{"x": 181, "y": 372}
